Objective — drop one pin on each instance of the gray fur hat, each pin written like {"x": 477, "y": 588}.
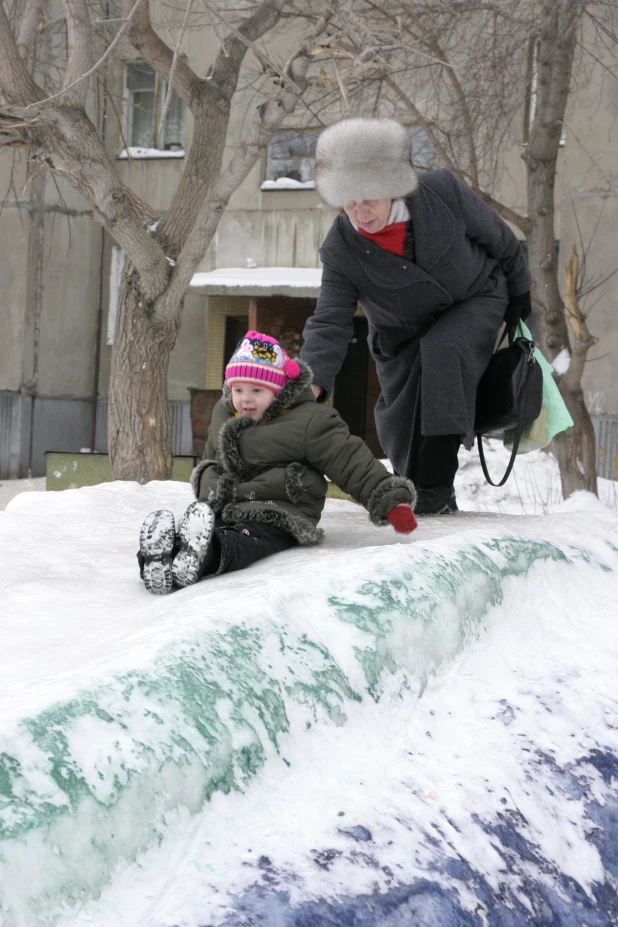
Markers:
{"x": 364, "y": 159}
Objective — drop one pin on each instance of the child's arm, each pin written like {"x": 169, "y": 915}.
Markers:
{"x": 348, "y": 462}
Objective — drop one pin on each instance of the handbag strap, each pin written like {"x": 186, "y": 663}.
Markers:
{"x": 511, "y": 331}
{"x": 516, "y": 440}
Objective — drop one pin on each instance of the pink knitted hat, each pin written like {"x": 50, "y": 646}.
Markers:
{"x": 260, "y": 359}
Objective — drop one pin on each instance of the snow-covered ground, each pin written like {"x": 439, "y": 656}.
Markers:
{"x": 379, "y": 731}
{"x": 11, "y": 488}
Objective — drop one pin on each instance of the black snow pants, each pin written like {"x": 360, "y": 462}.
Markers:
{"x": 234, "y": 547}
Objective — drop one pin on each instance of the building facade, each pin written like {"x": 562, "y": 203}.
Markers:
{"x": 59, "y": 271}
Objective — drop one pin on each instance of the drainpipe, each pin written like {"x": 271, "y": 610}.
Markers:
{"x": 99, "y": 327}
{"x": 97, "y": 349}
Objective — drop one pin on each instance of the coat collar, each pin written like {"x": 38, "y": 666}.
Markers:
{"x": 432, "y": 227}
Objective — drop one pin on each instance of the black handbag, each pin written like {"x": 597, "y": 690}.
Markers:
{"x": 509, "y": 396}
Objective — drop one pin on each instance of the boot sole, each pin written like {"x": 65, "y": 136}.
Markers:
{"x": 195, "y": 533}
{"x": 156, "y": 543}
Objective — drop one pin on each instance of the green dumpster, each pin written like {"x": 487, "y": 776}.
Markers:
{"x": 73, "y": 470}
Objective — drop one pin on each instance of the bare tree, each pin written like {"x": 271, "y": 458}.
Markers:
{"x": 466, "y": 71}
{"x": 162, "y": 252}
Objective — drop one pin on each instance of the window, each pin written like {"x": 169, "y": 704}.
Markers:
{"x": 147, "y": 94}
{"x": 422, "y": 148}
{"x": 290, "y": 157}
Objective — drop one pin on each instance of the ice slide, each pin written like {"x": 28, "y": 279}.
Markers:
{"x": 375, "y": 732}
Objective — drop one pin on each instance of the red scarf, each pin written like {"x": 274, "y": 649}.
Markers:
{"x": 391, "y": 237}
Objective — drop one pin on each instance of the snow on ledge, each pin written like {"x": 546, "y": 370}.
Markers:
{"x": 145, "y": 153}
{"x": 287, "y": 183}
{"x": 275, "y": 279}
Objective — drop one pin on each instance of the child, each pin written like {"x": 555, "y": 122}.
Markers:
{"x": 261, "y": 486}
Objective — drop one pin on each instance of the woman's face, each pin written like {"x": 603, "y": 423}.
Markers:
{"x": 368, "y": 215}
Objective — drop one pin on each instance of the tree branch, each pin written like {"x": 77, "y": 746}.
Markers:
{"x": 63, "y": 138}
{"x": 433, "y": 45}
{"x": 269, "y": 117}
{"x": 506, "y": 212}
{"x": 583, "y": 340}
{"x": 227, "y": 65}
{"x": 388, "y": 80}
{"x": 79, "y": 43}
{"x": 16, "y": 82}
{"x": 110, "y": 48}
{"x": 211, "y": 111}
{"x": 159, "y": 55}
{"x": 28, "y": 29}
{"x": 170, "y": 86}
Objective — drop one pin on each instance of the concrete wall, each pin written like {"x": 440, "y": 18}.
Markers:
{"x": 14, "y": 242}
{"x": 589, "y": 209}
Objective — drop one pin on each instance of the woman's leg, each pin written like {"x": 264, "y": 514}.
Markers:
{"x": 436, "y": 460}
{"x": 432, "y": 465}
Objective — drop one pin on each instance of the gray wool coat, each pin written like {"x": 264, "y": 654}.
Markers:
{"x": 438, "y": 316}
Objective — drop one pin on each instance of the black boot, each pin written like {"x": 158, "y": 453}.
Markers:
{"x": 195, "y": 534}
{"x": 157, "y": 539}
{"x": 435, "y": 500}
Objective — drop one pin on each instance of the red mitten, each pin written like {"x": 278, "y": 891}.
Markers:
{"x": 402, "y": 518}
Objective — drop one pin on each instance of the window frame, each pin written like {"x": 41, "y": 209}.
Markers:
{"x": 268, "y": 184}
{"x": 159, "y": 91}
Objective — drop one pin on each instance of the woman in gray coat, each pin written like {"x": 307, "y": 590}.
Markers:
{"x": 436, "y": 272}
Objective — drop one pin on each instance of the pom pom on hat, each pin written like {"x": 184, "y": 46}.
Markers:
{"x": 260, "y": 359}
{"x": 291, "y": 368}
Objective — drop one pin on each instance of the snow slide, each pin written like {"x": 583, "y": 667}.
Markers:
{"x": 377, "y": 731}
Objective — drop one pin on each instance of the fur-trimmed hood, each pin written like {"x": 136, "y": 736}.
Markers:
{"x": 364, "y": 159}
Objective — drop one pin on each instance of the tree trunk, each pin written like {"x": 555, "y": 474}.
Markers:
{"x": 575, "y": 449}
{"x": 140, "y": 444}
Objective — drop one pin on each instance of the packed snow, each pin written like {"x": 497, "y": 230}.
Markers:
{"x": 307, "y": 277}
{"x": 287, "y": 183}
{"x": 138, "y": 154}
{"x": 383, "y": 730}
{"x": 11, "y": 488}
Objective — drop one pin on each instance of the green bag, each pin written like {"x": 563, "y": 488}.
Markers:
{"x": 554, "y": 416}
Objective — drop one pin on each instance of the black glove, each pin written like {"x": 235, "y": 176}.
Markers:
{"x": 518, "y": 309}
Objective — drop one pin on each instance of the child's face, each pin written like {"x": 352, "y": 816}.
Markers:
{"x": 252, "y": 400}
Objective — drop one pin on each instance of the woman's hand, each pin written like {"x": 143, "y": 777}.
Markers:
{"x": 316, "y": 390}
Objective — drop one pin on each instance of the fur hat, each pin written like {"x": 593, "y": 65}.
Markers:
{"x": 260, "y": 359}
{"x": 364, "y": 159}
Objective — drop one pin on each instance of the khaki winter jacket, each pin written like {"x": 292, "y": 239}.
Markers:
{"x": 273, "y": 470}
